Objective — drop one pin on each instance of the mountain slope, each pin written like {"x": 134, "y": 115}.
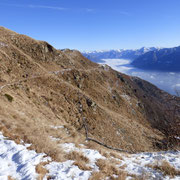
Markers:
{"x": 167, "y": 59}
{"x": 42, "y": 88}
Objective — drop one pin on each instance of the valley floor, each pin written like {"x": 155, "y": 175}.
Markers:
{"x": 18, "y": 162}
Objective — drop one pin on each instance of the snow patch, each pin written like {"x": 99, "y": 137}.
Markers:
{"x": 57, "y": 127}
{"x": 91, "y": 154}
{"x": 17, "y": 161}
{"x": 20, "y": 163}
{"x": 54, "y": 138}
{"x": 66, "y": 170}
{"x": 138, "y": 163}
{"x": 126, "y": 97}
{"x": 2, "y": 44}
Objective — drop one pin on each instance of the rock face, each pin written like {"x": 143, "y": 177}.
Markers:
{"x": 61, "y": 87}
{"x": 167, "y": 59}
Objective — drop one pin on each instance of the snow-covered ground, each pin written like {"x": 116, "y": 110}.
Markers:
{"x": 2, "y": 44}
{"x": 17, "y": 162}
{"x": 138, "y": 164}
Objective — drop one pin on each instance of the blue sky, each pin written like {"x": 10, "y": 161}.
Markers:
{"x": 95, "y": 24}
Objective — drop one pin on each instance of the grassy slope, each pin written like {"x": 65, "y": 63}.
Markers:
{"x": 50, "y": 87}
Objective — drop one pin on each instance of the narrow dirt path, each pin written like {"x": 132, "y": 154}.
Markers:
{"x": 47, "y": 73}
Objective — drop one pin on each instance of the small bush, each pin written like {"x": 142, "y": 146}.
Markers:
{"x": 9, "y": 97}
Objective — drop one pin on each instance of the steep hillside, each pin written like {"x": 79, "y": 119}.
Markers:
{"x": 43, "y": 89}
{"x": 167, "y": 59}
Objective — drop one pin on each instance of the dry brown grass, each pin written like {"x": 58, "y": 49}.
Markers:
{"x": 40, "y": 169}
{"x": 7, "y": 133}
{"x": 105, "y": 154}
{"x": 11, "y": 178}
{"x": 82, "y": 165}
{"x": 49, "y": 147}
{"x": 77, "y": 156}
{"x": 116, "y": 155}
{"x": 39, "y": 139}
{"x": 96, "y": 176}
{"x": 143, "y": 176}
{"x": 108, "y": 169}
{"x": 80, "y": 160}
{"x": 100, "y": 175}
{"x": 123, "y": 166}
{"x": 166, "y": 168}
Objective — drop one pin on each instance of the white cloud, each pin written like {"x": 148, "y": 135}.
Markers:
{"x": 177, "y": 85}
{"x": 88, "y": 10}
{"x": 35, "y": 6}
{"x": 46, "y": 7}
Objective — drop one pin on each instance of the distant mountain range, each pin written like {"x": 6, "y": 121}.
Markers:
{"x": 166, "y": 59}
{"x": 97, "y": 56}
{"x": 161, "y": 59}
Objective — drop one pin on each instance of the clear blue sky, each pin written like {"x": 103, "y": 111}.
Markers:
{"x": 95, "y": 24}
